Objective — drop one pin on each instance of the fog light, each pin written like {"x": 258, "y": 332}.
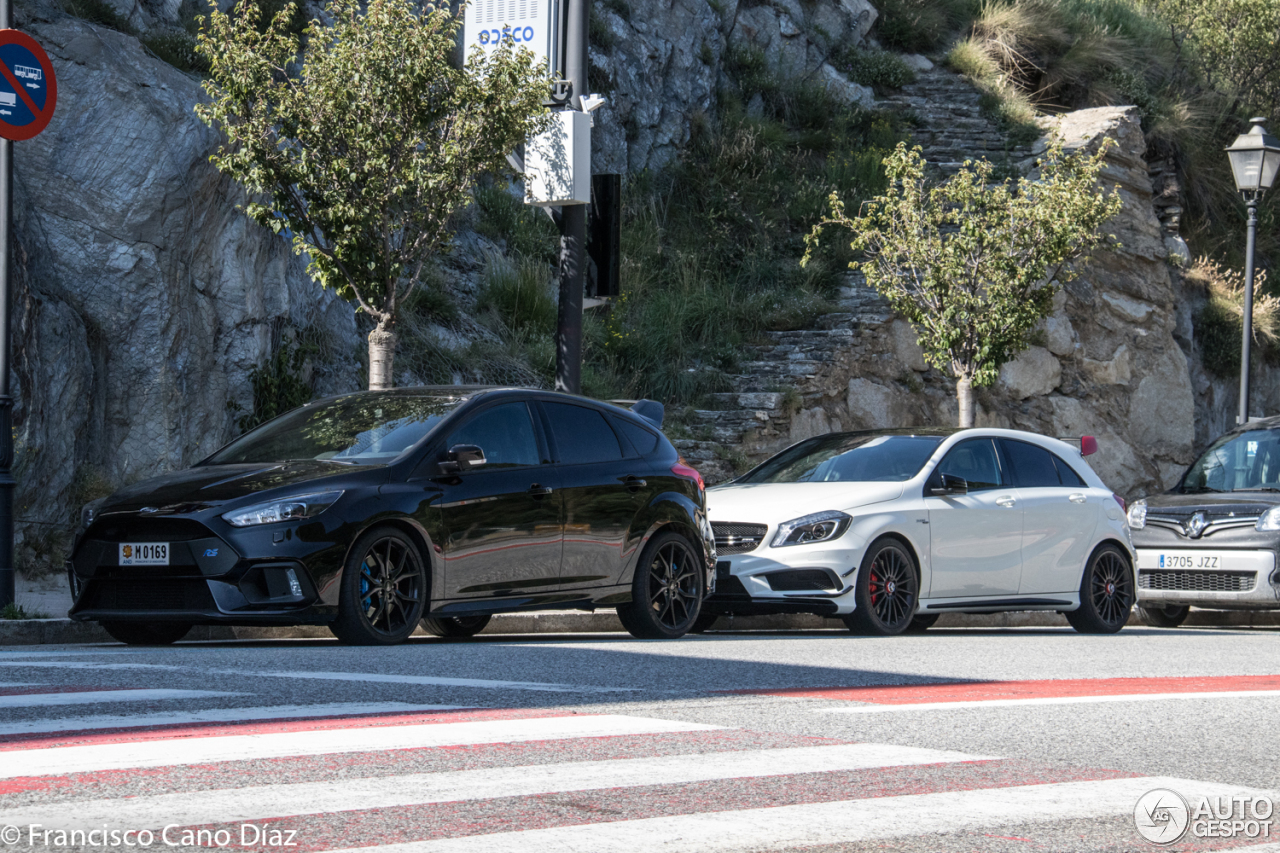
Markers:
{"x": 294, "y": 587}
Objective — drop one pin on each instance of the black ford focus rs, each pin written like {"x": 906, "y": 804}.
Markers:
{"x": 378, "y": 511}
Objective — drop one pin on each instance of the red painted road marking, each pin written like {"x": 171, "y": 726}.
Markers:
{"x": 979, "y": 691}
{"x": 440, "y": 759}
{"x": 380, "y": 826}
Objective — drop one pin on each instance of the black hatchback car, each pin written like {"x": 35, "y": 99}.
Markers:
{"x": 375, "y": 512}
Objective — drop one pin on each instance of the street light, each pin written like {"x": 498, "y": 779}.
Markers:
{"x": 1255, "y": 158}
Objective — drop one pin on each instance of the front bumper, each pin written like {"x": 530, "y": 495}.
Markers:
{"x": 1208, "y": 577}
{"x": 213, "y": 577}
{"x": 812, "y": 579}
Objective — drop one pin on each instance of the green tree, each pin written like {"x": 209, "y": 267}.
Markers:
{"x": 973, "y": 263}
{"x": 362, "y": 145}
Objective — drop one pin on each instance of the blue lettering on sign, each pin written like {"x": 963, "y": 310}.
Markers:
{"x": 24, "y": 67}
{"x": 211, "y": 552}
{"x": 515, "y": 35}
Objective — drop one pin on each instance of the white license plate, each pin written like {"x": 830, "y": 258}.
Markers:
{"x": 144, "y": 554}
{"x": 1195, "y": 560}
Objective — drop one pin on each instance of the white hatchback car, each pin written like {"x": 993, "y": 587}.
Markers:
{"x": 890, "y": 529}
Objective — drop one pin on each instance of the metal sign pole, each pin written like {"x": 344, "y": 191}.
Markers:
{"x": 573, "y": 219}
{"x": 1247, "y": 337}
{"x": 7, "y": 589}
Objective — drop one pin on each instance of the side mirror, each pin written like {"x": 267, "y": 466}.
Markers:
{"x": 950, "y": 484}
{"x": 462, "y": 457}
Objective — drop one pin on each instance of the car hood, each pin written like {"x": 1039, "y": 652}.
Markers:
{"x": 771, "y": 503}
{"x": 1240, "y": 503}
{"x": 197, "y": 488}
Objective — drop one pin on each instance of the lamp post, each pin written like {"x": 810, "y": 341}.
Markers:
{"x": 1255, "y": 158}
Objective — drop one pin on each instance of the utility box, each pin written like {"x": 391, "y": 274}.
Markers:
{"x": 522, "y": 23}
{"x": 557, "y": 162}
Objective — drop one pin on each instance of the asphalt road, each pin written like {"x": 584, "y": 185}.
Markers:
{"x": 1017, "y": 739}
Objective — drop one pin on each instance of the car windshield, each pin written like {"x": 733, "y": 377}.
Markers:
{"x": 1239, "y": 462}
{"x": 866, "y": 457}
{"x": 362, "y": 429}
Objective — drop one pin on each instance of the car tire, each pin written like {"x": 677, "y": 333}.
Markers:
{"x": 147, "y": 633}
{"x": 455, "y": 627}
{"x": 1168, "y": 616}
{"x": 703, "y": 623}
{"x": 1106, "y": 593}
{"x": 666, "y": 591}
{"x": 886, "y": 591}
{"x": 922, "y": 622}
{"x": 383, "y": 590}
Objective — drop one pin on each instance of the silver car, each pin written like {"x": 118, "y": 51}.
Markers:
{"x": 1212, "y": 540}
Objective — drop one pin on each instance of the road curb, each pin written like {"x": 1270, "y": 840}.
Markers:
{"x": 35, "y": 632}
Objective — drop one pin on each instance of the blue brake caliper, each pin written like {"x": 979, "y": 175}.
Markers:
{"x": 365, "y": 598}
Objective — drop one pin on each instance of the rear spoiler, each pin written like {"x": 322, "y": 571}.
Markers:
{"x": 651, "y": 410}
{"x": 1087, "y": 444}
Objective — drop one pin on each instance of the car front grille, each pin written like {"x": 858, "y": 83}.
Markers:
{"x": 734, "y": 537}
{"x": 1197, "y": 581}
{"x": 158, "y": 594}
{"x": 144, "y": 529}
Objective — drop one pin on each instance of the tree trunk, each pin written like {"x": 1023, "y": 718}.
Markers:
{"x": 382, "y": 353}
{"x": 964, "y": 396}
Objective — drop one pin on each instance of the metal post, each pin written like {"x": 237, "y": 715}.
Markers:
{"x": 1252, "y": 202}
{"x": 6, "y": 402}
{"x": 573, "y": 222}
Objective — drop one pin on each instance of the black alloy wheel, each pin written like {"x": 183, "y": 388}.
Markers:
{"x": 1165, "y": 616}
{"x": 666, "y": 592}
{"x": 147, "y": 633}
{"x": 1106, "y": 593}
{"x": 922, "y": 622}
{"x": 886, "y": 591}
{"x": 383, "y": 590}
{"x": 455, "y": 627}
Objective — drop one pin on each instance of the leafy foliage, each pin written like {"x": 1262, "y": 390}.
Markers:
{"x": 973, "y": 264}
{"x": 362, "y": 147}
{"x": 279, "y": 384}
{"x": 1219, "y": 323}
{"x": 920, "y": 26}
{"x": 527, "y": 231}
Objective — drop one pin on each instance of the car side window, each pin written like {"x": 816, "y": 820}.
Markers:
{"x": 975, "y": 462}
{"x": 641, "y": 439}
{"x": 1032, "y": 466}
{"x": 1068, "y": 474}
{"x": 582, "y": 434}
{"x": 504, "y": 433}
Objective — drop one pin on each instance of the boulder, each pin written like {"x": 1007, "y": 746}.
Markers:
{"x": 1034, "y": 372}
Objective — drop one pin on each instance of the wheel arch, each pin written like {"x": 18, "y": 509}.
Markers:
{"x": 416, "y": 534}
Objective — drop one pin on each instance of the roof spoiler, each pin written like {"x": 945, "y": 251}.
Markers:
{"x": 1088, "y": 444}
{"x": 651, "y": 410}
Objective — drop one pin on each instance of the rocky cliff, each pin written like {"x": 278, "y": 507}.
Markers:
{"x": 146, "y": 298}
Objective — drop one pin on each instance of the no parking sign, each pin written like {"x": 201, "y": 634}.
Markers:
{"x": 28, "y": 90}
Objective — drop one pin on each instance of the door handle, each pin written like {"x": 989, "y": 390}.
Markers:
{"x": 1006, "y": 501}
{"x": 538, "y": 491}
{"x": 1077, "y": 498}
{"x": 634, "y": 483}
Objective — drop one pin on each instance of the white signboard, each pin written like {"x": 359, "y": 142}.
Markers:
{"x": 557, "y": 162}
{"x": 524, "y": 23}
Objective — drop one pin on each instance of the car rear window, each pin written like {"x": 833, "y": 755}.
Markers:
{"x": 582, "y": 435}
{"x": 1033, "y": 466}
{"x": 641, "y": 439}
{"x": 1068, "y": 474}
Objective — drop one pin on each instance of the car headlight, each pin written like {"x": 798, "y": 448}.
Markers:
{"x": 819, "y": 527}
{"x": 1138, "y": 515}
{"x": 89, "y": 512}
{"x": 284, "y": 509}
{"x": 1269, "y": 520}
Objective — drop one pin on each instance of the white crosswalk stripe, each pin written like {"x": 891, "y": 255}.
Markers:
{"x": 95, "y": 697}
{"x": 492, "y": 781}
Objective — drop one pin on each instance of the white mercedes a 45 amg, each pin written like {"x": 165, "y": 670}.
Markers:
{"x": 890, "y": 529}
